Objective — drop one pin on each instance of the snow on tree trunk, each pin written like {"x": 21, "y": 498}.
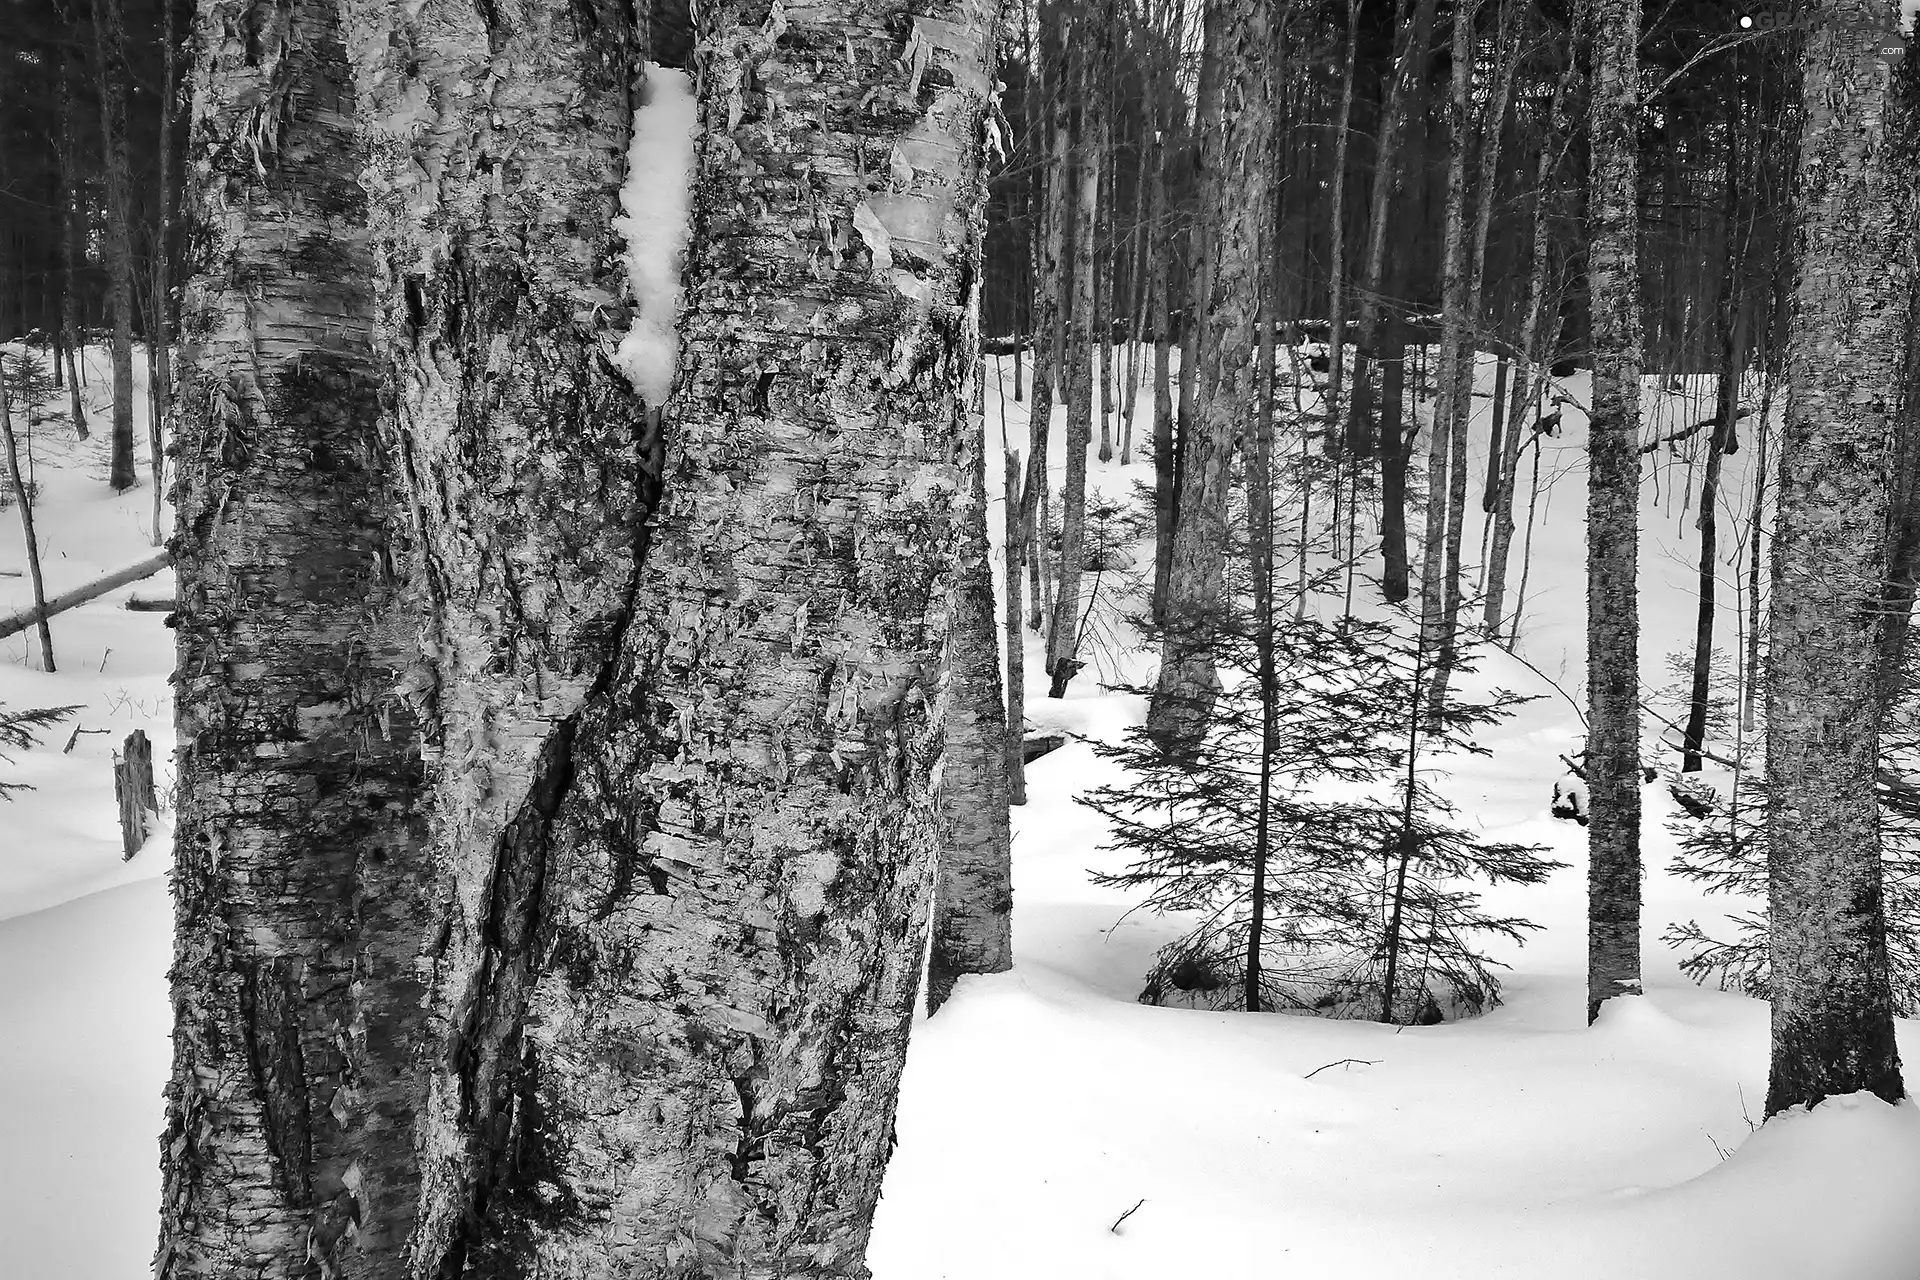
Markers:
{"x": 1832, "y": 1011}
{"x": 1235, "y": 208}
{"x": 736, "y": 854}
{"x": 299, "y": 869}
{"x": 1613, "y": 483}
{"x": 525, "y": 469}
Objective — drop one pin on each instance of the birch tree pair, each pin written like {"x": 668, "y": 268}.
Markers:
{"x": 557, "y": 815}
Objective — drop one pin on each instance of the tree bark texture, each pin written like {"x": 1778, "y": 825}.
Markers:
{"x": 522, "y": 467}
{"x": 299, "y": 849}
{"x": 733, "y": 895}
{"x": 1234, "y": 183}
{"x": 1532, "y": 352}
{"x": 1832, "y": 1012}
{"x": 1613, "y": 483}
{"x": 1015, "y": 642}
{"x": 1445, "y": 438}
{"x": 1491, "y": 125}
{"x": 1159, "y": 245}
{"x": 973, "y": 888}
{"x": 1049, "y": 320}
{"x": 1093, "y": 56}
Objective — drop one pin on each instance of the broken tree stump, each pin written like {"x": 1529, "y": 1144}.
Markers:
{"x": 133, "y": 789}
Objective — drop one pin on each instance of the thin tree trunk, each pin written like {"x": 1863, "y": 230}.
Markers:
{"x": 1260, "y": 531}
{"x": 70, "y": 248}
{"x": 23, "y": 498}
{"x": 1613, "y": 490}
{"x": 1448, "y": 381}
{"x": 1165, "y": 460}
{"x": 1727, "y": 406}
{"x": 1412, "y": 50}
{"x": 1015, "y": 643}
{"x": 1532, "y": 353}
{"x": 1493, "y": 118}
{"x": 1048, "y": 316}
{"x": 1063, "y": 639}
{"x": 1396, "y": 447}
{"x": 1497, "y": 438}
{"x": 1755, "y": 533}
{"x": 160, "y": 338}
{"x": 109, "y": 42}
{"x": 1234, "y": 200}
{"x": 1833, "y": 1029}
{"x": 973, "y": 882}
{"x": 1336, "y": 216}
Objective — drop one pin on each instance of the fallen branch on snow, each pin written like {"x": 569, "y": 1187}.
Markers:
{"x": 80, "y": 595}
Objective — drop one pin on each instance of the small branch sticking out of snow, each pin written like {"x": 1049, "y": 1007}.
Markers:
{"x": 1115, "y": 1228}
{"x": 1342, "y": 1062}
{"x": 657, "y": 201}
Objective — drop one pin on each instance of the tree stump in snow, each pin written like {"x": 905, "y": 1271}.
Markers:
{"x": 133, "y": 789}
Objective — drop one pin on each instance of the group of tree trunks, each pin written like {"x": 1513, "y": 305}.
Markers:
{"x": 558, "y": 816}
{"x": 567, "y": 781}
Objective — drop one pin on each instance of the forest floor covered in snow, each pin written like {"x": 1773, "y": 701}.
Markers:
{"x": 1051, "y": 1127}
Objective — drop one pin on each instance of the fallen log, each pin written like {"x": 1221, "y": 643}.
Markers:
{"x": 80, "y": 595}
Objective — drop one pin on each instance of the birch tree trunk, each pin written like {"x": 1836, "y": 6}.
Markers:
{"x": 1014, "y": 641}
{"x": 738, "y": 858}
{"x": 1159, "y": 244}
{"x": 1492, "y": 121}
{"x": 1063, "y": 637}
{"x": 1049, "y": 318}
{"x": 1613, "y": 481}
{"x": 973, "y": 888}
{"x": 1234, "y": 185}
{"x": 300, "y": 865}
{"x": 1448, "y": 380}
{"x": 1832, "y": 1012}
{"x": 523, "y": 470}
{"x": 1532, "y": 352}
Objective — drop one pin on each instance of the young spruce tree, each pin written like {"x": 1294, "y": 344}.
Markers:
{"x": 1305, "y": 831}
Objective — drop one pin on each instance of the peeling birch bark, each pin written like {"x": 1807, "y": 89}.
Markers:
{"x": 497, "y": 138}
{"x": 737, "y": 862}
{"x": 288, "y": 1150}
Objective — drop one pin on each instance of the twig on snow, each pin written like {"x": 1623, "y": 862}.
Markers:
{"x": 1365, "y": 1062}
{"x": 1115, "y": 1228}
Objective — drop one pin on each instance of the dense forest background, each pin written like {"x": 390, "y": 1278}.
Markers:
{"x": 63, "y": 68}
{"x": 1716, "y": 145}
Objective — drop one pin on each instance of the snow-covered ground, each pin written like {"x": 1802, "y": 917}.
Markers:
{"x": 85, "y": 937}
{"x": 1043, "y": 1104}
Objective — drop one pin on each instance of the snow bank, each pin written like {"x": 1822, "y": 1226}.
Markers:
{"x": 657, "y": 201}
